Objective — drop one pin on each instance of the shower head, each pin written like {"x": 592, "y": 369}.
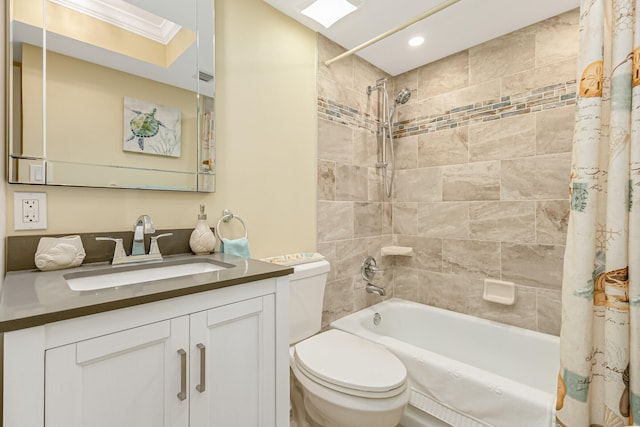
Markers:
{"x": 403, "y": 96}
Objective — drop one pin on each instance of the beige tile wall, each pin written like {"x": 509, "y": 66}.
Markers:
{"x": 481, "y": 191}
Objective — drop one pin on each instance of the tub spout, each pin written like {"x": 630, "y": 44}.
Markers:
{"x": 373, "y": 289}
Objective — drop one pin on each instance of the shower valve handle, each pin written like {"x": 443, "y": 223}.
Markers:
{"x": 369, "y": 269}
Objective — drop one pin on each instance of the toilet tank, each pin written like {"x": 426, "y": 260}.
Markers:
{"x": 306, "y": 295}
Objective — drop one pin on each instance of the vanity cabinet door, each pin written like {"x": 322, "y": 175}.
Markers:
{"x": 128, "y": 379}
{"x": 237, "y": 378}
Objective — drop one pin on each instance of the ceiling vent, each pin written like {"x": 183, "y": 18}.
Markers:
{"x": 205, "y": 77}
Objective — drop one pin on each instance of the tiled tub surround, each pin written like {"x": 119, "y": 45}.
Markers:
{"x": 483, "y": 160}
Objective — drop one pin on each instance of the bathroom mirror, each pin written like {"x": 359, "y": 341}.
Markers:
{"x": 111, "y": 93}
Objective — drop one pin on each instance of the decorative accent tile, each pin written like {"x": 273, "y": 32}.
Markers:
{"x": 343, "y": 114}
{"x": 538, "y": 99}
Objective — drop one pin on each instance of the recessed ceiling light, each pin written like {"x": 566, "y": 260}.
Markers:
{"x": 328, "y": 12}
{"x": 416, "y": 41}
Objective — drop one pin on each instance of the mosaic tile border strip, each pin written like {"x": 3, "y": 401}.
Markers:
{"x": 539, "y": 99}
{"x": 346, "y": 115}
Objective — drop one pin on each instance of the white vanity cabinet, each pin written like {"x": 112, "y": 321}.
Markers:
{"x": 217, "y": 358}
{"x": 235, "y": 385}
{"x": 127, "y": 378}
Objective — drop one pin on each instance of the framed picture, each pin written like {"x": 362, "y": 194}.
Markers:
{"x": 151, "y": 128}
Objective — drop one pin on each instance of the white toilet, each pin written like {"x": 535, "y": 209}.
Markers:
{"x": 338, "y": 379}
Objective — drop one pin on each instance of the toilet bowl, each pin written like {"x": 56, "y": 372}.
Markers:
{"x": 346, "y": 381}
{"x": 338, "y": 379}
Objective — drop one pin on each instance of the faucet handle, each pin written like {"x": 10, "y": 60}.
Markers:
{"x": 119, "y": 249}
{"x": 154, "y": 249}
{"x": 368, "y": 269}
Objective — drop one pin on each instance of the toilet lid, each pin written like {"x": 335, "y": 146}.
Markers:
{"x": 349, "y": 361}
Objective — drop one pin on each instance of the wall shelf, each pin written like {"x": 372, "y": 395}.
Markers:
{"x": 397, "y": 251}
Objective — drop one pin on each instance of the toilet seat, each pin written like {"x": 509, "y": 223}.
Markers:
{"x": 349, "y": 364}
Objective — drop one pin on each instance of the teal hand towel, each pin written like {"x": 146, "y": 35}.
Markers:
{"x": 238, "y": 247}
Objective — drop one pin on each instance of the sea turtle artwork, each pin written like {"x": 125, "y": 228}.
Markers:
{"x": 144, "y": 125}
{"x": 150, "y": 128}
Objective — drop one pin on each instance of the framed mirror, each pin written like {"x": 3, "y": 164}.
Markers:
{"x": 111, "y": 93}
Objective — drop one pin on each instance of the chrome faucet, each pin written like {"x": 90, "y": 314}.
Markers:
{"x": 367, "y": 271}
{"x": 373, "y": 289}
{"x": 143, "y": 226}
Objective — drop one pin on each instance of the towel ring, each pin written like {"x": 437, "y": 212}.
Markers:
{"x": 227, "y": 216}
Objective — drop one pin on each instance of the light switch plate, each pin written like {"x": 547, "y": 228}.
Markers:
{"x": 35, "y": 173}
{"x": 30, "y": 211}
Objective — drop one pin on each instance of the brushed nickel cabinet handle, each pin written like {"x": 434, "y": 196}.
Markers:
{"x": 203, "y": 374}
{"x": 183, "y": 374}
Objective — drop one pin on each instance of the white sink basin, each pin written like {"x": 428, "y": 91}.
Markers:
{"x": 123, "y": 276}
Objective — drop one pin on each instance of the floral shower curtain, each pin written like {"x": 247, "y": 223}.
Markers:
{"x": 599, "y": 379}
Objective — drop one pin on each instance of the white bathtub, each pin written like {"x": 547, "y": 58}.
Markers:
{"x": 465, "y": 371}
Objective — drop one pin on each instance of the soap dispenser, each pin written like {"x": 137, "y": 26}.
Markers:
{"x": 202, "y": 240}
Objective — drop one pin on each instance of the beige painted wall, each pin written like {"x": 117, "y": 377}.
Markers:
{"x": 85, "y": 111}
{"x": 266, "y": 138}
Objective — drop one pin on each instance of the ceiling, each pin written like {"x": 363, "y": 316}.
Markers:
{"x": 186, "y": 71}
{"x": 460, "y": 26}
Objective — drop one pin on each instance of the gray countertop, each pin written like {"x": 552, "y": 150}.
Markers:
{"x": 33, "y": 298}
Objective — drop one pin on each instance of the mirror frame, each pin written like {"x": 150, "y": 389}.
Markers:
{"x": 202, "y": 174}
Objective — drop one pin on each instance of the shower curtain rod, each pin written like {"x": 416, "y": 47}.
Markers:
{"x": 418, "y": 18}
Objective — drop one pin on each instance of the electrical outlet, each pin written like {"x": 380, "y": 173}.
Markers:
{"x": 30, "y": 211}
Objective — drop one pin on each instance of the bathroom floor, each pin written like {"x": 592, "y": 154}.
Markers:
{"x": 294, "y": 424}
